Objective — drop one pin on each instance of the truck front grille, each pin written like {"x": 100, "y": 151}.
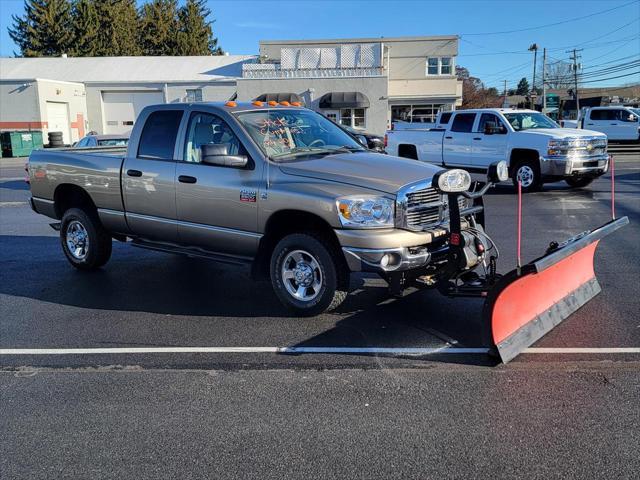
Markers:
{"x": 420, "y": 207}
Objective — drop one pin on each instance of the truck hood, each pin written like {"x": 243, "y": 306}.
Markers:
{"x": 563, "y": 133}
{"x": 375, "y": 171}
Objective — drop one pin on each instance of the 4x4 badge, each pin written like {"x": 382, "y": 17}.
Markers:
{"x": 248, "y": 196}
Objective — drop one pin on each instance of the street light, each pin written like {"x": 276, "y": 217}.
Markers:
{"x": 533, "y": 48}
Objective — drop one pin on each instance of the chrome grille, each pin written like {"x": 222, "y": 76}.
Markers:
{"x": 419, "y": 207}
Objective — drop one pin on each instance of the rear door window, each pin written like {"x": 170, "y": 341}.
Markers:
{"x": 597, "y": 115}
{"x": 159, "y": 134}
{"x": 463, "y": 122}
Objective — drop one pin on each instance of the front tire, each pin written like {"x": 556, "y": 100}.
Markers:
{"x": 579, "y": 182}
{"x": 85, "y": 242}
{"x": 307, "y": 275}
{"x": 528, "y": 172}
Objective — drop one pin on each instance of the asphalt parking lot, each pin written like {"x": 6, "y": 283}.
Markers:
{"x": 212, "y": 378}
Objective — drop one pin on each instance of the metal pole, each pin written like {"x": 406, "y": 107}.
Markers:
{"x": 575, "y": 57}
{"x": 504, "y": 103}
{"x": 533, "y": 48}
{"x": 544, "y": 80}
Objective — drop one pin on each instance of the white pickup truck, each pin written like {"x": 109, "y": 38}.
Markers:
{"x": 535, "y": 147}
{"x": 617, "y": 123}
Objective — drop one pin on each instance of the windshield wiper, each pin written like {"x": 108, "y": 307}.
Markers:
{"x": 348, "y": 149}
{"x": 300, "y": 151}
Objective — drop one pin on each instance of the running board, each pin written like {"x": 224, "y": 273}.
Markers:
{"x": 192, "y": 252}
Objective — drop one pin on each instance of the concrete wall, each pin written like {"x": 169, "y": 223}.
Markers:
{"x": 174, "y": 93}
{"x": 375, "y": 88}
{"x": 23, "y": 105}
{"x": 19, "y": 106}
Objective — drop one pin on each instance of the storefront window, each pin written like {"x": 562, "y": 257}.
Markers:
{"x": 353, "y": 117}
{"x": 418, "y": 113}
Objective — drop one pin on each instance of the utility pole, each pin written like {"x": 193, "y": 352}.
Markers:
{"x": 544, "y": 80}
{"x": 504, "y": 102}
{"x": 533, "y": 48}
{"x": 576, "y": 66}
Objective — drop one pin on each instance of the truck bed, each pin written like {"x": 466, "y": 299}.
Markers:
{"x": 96, "y": 170}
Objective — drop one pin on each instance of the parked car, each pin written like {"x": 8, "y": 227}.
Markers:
{"x": 94, "y": 140}
{"x": 617, "y": 123}
{"x": 282, "y": 189}
{"x": 370, "y": 140}
{"x": 535, "y": 147}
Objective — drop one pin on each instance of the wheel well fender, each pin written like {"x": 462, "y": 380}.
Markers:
{"x": 518, "y": 154}
{"x": 68, "y": 196}
{"x": 281, "y": 224}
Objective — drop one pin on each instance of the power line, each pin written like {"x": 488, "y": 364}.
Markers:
{"x": 612, "y": 78}
{"x": 555, "y": 23}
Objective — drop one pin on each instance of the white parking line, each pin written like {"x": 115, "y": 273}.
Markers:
{"x": 296, "y": 350}
{"x": 12, "y": 204}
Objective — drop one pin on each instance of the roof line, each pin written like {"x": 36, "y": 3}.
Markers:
{"x": 358, "y": 40}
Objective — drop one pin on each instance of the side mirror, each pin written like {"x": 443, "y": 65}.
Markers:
{"x": 218, "y": 154}
{"x": 632, "y": 118}
{"x": 498, "y": 172}
{"x": 363, "y": 140}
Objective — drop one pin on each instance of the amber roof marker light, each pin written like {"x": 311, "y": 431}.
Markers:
{"x": 257, "y": 103}
{"x": 273, "y": 103}
{"x": 231, "y": 104}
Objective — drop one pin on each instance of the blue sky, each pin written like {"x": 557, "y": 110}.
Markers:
{"x": 608, "y": 39}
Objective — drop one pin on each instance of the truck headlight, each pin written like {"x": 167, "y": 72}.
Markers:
{"x": 557, "y": 147}
{"x": 452, "y": 181}
{"x": 365, "y": 212}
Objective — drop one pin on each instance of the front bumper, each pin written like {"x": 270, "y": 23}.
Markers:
{"x": 568, "y": 166}
{"x": 385, "y": 251}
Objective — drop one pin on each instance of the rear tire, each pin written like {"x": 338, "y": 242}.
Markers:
{"x": 579, "y": 182}
{"x": 85, "y": 242}
{"x": 307, "y": 275}
{"x": 528, "y": 171}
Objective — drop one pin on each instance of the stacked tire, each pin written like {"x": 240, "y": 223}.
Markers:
{"x": 55, "y": 139}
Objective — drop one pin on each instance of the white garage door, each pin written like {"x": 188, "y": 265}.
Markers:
{"x": 58, "y": 120}
{"x": 122, "y": 108}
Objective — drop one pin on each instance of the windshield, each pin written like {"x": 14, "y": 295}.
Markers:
{"x": 284, "y": 135}
{"x": 528, "y": 120}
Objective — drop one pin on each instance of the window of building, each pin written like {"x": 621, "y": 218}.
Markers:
{"x": 445, "y": 66}
{"x": 440, "y": 66}
{"x": 432, "y": 66}
{"x": 463, "y": 122}
{"x": 353, "y": 117}
{"x": 158, "y": 138}
{"x": 194, "y": 95}
{"x": 418, "y": 113}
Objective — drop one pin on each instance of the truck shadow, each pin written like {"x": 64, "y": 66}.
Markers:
{"x": 33, "y": 267}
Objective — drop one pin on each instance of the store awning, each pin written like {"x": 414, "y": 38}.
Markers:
{"x": 344, "y": 100}
{"x": 280, "y": 97}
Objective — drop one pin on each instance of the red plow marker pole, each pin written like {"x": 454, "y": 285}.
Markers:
{"x": 613, "y": 188}
{"x": 519, "y": 246}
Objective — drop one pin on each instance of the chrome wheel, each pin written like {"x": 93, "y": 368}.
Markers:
{"x": 525, "y": 176}
{"x": 77, "y": 240}
{"x": 301, "y": 275}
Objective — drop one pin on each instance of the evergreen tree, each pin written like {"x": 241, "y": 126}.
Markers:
{"x": 195, "y": 34}
{"x": 159, "y": 27}
{"x": 119, "y": 26}
{"x": 523, "y": 87}
{"x": 86, "y": 28}
{"x": 44, "y": 30}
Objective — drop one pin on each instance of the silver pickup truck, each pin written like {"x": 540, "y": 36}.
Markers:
{"x": 277, "y": 187}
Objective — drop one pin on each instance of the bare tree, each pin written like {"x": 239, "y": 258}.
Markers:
{"x": 559, "y": 75}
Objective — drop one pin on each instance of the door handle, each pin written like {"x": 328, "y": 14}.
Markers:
{"x": 589, "y": 123}
{"x": 614, "y": 124}
{"x": 134, "y": 173}
{"x": 448, "y": 138}
{"x": 187, "y": 179}
{"x": 477, "y": 138}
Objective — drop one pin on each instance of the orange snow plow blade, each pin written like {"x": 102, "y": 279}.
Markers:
{"x": 523, "y": 306}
